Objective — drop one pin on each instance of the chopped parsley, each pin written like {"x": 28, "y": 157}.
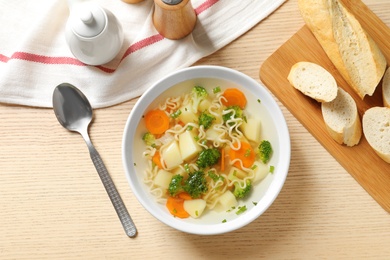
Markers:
{"x": 231, "y": 209}
{"x": 241, "y": 210}
{"x": 271, "y": 169}
{"x": 216, "y": 90}
{"x": 176, "y": 114}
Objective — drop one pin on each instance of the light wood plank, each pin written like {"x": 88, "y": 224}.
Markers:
{"x": 53, "y": 205}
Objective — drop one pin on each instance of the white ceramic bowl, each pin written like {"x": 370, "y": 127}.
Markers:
{"x": 274, "y": 128}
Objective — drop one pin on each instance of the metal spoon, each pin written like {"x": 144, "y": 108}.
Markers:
{"x": 74, "y": 112}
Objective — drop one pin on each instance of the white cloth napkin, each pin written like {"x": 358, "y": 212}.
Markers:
{"x": 35, "y": 58}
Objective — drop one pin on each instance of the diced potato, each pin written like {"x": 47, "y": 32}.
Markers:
{"x": 187, "y": 115}
{"x": 180, "y": 171}
{"x": 227, "y": 201}
{"x": 171, "y": 155}
{"x": 163, "y": 178}
{"x": 204, "y": 105}
{"x": 252, "y": 129}
{"x": 261, "y": 171}
{"x": 194, "y": 207}
{"x": 189, "y": 148}
{"x": 235, "y": 173}
{"x": 212, "y": 134}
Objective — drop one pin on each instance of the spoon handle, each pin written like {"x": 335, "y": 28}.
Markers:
{"x": 115, "y": 198}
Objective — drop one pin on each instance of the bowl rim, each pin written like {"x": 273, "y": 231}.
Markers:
{"x": 215, "y": 72}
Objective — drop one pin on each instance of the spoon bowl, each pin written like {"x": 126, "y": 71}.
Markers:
{"x": 74, "y": 112}
{"x": 72, "y": 108}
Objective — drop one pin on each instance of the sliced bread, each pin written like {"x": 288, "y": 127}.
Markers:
{"x": 313, "y": 81}
{"x": 342, "y": 119}
{"x": 386, "y": 88}
{"x": 353, "y": 52}
{"x": 376, "y": 128}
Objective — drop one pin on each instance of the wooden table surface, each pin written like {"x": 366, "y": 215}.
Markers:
{"x": 53, "y": 205}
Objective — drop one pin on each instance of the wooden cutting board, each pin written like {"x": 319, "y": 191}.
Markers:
{"x": 360, "y": 161}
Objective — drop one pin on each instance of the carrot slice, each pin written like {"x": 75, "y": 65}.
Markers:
{"x": 156, "y": 121}
{"x": 234, "y": 97}
{"x": 184, "y": 196}
{"x": 222, "y": 159}
{"x": 156, "y": 159}
{"x": 246, "y": 154}
{"x": 176, "y": 207}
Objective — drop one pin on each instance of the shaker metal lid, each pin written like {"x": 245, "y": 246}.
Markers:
{"x": 172, "y": 2}
{"x": 87, "y": 20}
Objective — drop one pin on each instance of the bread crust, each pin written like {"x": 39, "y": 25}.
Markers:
{"x": 386, "y": 88}
{"x": 342, "y": 119}
{"x": 376, "y": 128}
{"x": 342, "y": 38}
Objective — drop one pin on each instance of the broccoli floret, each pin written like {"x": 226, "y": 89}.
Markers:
{"x": 235, "y": 113}
{"x": 265, "y": 151}
{"x": 215, "y": 177}
{"x": 198, "y": 94}
{"x": 196, "y": 184}
{"x": 206, "y": 120}
{"x": 208, "y": 157}
{"x": 242, "y": 192}
{"x": 176, "y": 185}
{"x": 149, "y": 139}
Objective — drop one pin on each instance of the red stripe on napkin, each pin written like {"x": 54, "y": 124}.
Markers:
{"x": 4, "y": 58}
{"x": 45, "y": 59}
{"x": 142, "y": 44}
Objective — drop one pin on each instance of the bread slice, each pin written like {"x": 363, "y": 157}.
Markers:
{"x": 386, "y": 88}
{"x": 376, "y": 128}
{"x": 353, "y": 52}
{"x": 342, "y": 119}
{"x": 313, "y": 81}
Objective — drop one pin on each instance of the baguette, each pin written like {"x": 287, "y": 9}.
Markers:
{"x": 352, "y": 51}
{"x": 313, "y": 81}
{"x": 342, "y": 119}
{"x": 376, "y": 128}
{"x": 386, "y": 88}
